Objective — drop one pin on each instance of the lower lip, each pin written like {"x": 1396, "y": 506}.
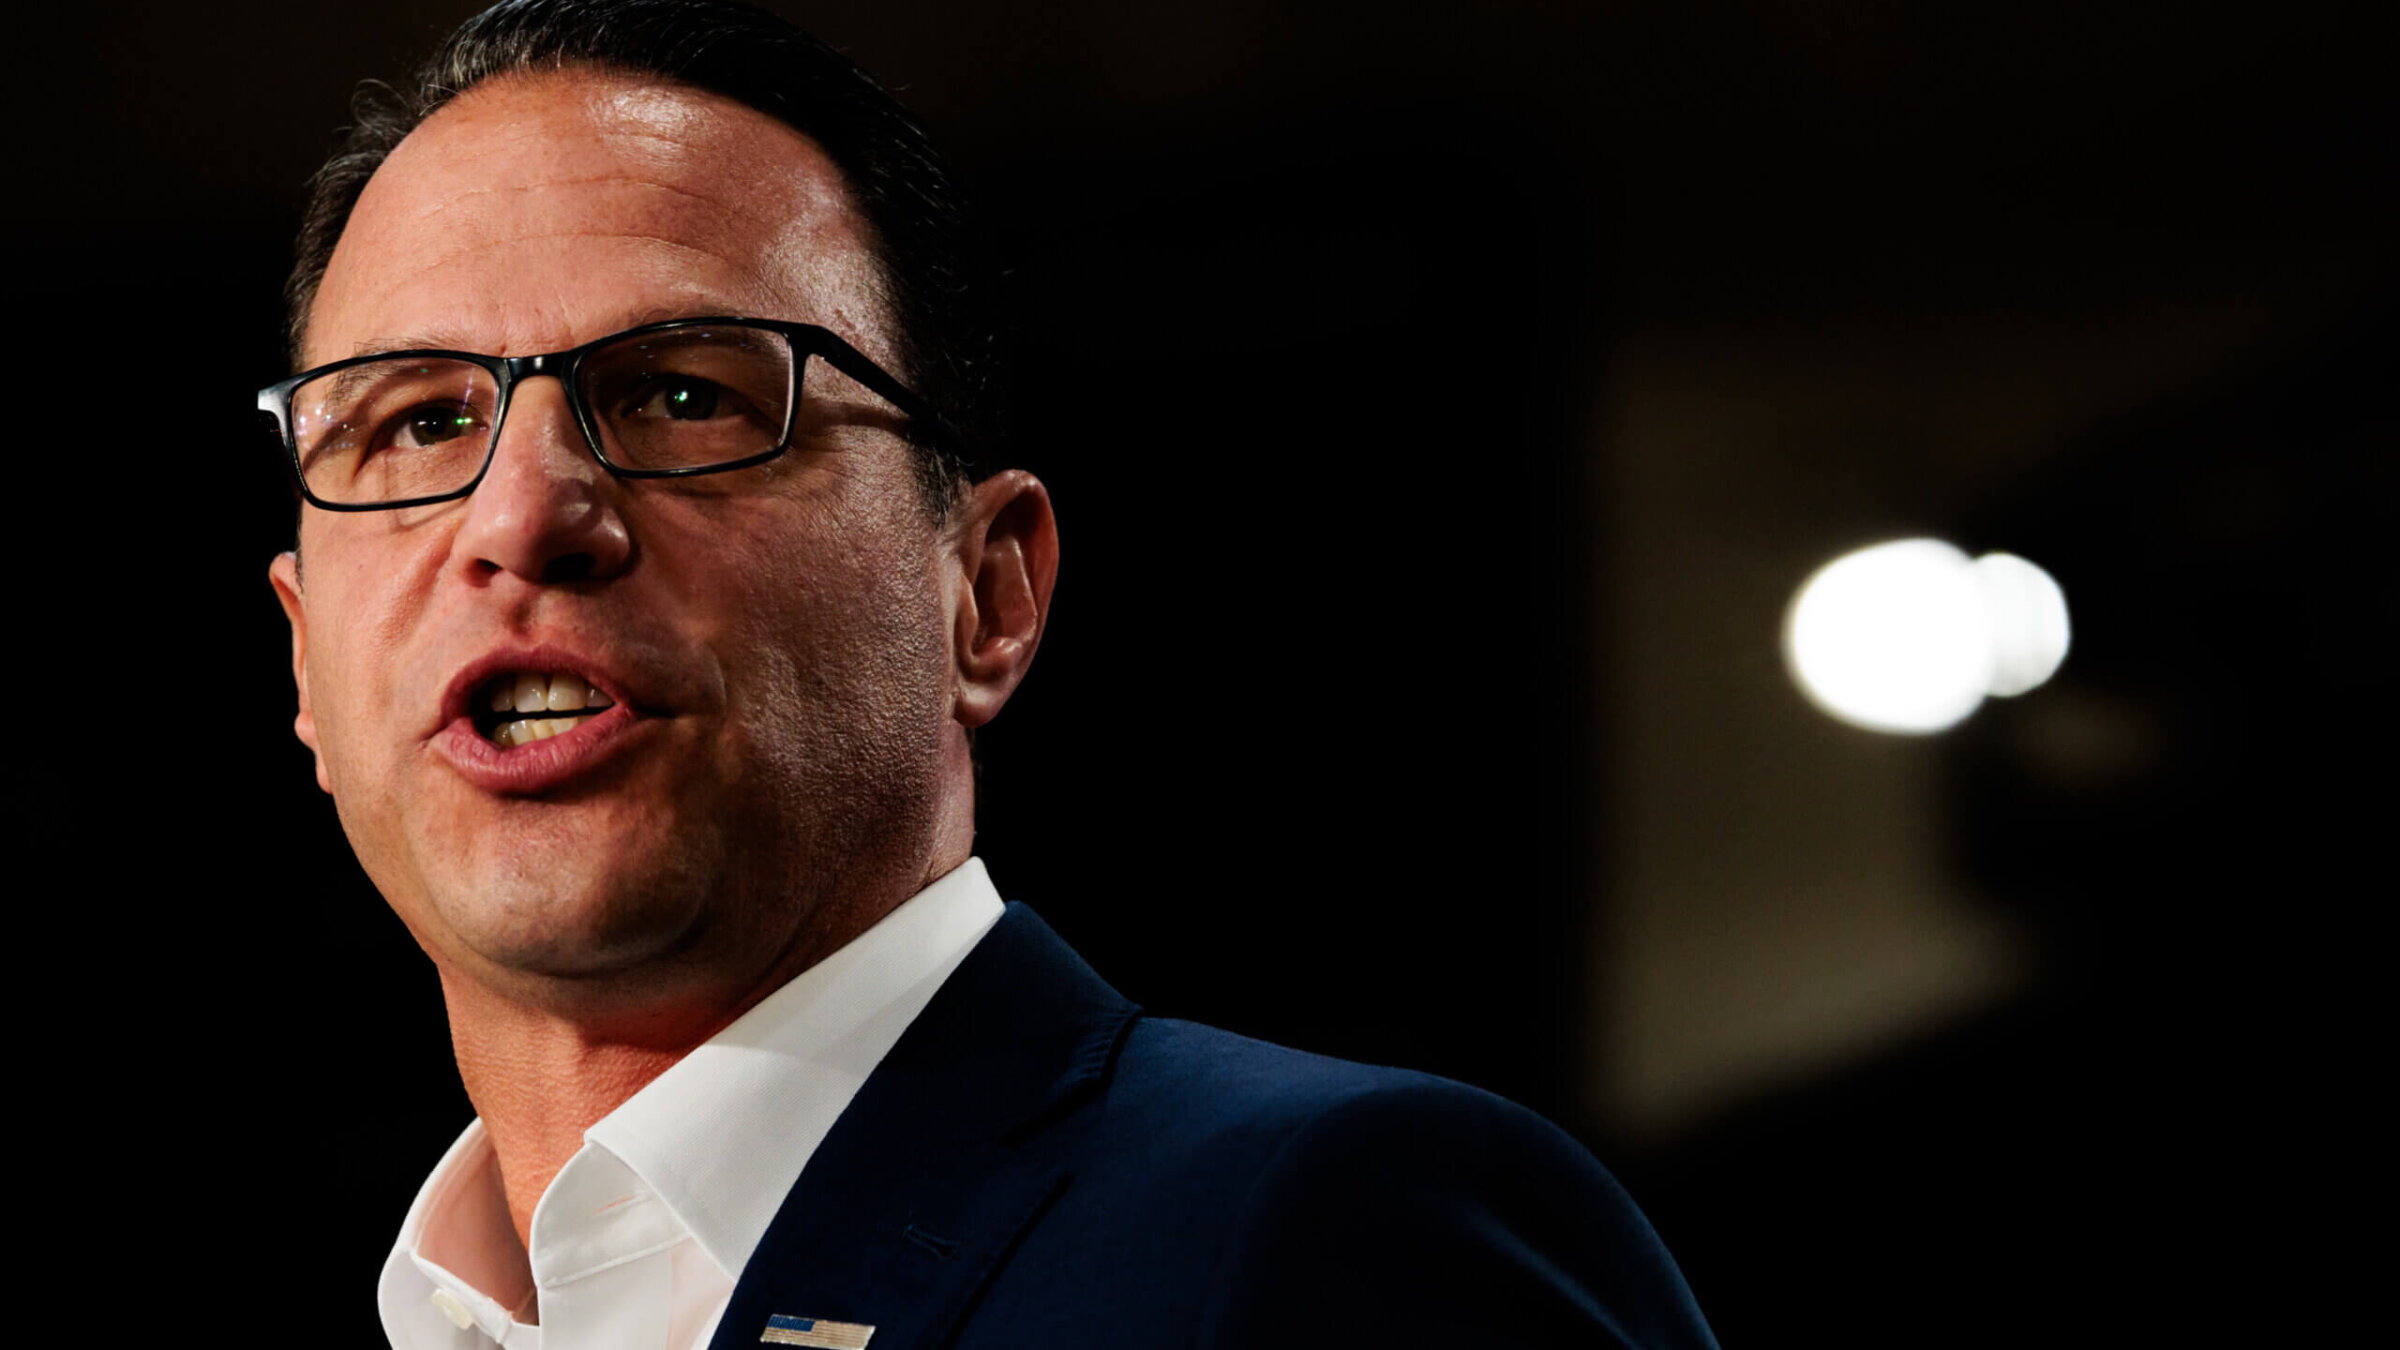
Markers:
{"x": 536, "y": 766}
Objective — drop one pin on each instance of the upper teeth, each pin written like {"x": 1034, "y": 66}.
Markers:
{"x": 526, "y": 692}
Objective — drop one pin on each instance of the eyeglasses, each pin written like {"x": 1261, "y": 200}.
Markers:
{"x": 664, "y": 400}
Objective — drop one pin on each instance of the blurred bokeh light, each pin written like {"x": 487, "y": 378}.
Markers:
{"x": 1911, "y": 636}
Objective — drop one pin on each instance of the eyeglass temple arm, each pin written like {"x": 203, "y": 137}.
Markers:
{"x": 852, "y": 362}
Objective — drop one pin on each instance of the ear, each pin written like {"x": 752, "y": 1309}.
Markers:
{"x": 284, "y": 574}
{"x": 1006, "y": 542}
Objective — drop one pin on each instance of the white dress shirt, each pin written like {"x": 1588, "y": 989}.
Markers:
{"x": 639, "y": 1239}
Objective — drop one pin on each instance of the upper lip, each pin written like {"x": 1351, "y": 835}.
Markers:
{"x": 459, "y": 695}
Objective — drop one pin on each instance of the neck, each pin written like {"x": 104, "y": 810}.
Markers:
{"x": 539, "y": 1080}
{"x": 540, "y": 1073}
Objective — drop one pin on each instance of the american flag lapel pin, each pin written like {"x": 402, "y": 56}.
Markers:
{"x": 782, "y": 1330}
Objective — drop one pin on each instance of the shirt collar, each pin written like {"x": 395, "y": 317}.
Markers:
{"x": 722, "y": 1135}
{"x": 711, "y": 1146}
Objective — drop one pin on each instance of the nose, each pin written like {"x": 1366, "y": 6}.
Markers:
{"x": 546, "y": 511}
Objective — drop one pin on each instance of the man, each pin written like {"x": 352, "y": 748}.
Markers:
{"x": 642, "y": 607}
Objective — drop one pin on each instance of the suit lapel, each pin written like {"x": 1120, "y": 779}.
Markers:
{"x": 955, "y": 1146}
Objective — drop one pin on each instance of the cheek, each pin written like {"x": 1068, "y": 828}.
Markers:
{"x": 851, "y": 657}
{"x": 357, "y": 669}
{"x": 347, "y": 732}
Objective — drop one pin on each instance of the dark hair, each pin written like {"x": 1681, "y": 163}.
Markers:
{"x": 915, "y": 214}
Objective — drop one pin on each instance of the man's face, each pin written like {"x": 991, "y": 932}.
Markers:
{"x": 775, "y": 638}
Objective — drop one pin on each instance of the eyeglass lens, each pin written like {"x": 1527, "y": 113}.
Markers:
{"x": 411, "y": 427}
{"x": 689, "y": 397}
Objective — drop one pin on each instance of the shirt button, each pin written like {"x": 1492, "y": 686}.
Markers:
{"x": 453, "y": 1309}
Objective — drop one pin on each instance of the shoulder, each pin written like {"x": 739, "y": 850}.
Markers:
{"x": 1203, "y": 1080}
{"x": 1373, "y": 1202}
{"x": 1165, "y": 1183}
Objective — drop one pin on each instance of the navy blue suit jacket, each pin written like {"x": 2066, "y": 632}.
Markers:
{"x": 1037, "y": 1164}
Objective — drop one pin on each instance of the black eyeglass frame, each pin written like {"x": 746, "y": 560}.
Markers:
{"x": 806, "y": 339}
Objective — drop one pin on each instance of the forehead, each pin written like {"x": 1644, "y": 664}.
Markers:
{"x": 536, "y": 212}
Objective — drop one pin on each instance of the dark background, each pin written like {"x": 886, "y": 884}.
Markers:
{"x": 1440, "y": 402}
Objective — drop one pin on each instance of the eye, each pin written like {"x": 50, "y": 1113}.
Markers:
{"x": 431, "y": 424}
{"x": 681, "y": 400}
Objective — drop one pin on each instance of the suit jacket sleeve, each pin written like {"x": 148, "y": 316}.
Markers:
{"x": 1433, "y": 1214}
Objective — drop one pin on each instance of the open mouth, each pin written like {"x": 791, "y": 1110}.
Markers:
{"x": 520, "y": 707}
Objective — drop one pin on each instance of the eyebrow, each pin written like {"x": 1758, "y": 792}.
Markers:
{"x": 449, "y": 340}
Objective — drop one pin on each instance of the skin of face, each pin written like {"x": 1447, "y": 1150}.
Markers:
{"x": 801, "y": 644}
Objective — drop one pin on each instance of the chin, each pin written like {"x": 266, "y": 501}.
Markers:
{"x": 582, "y": 915}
